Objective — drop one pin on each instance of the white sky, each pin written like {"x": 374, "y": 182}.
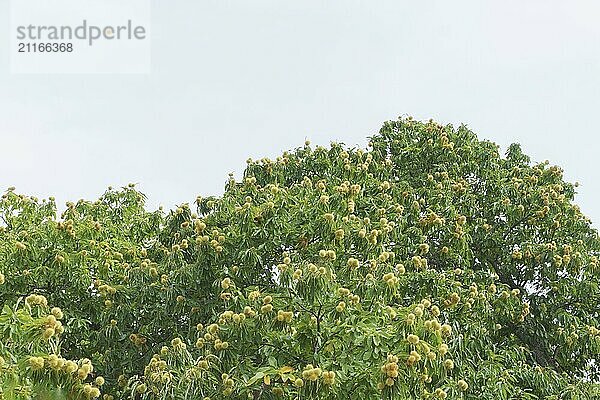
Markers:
{"x": 233, "y": 79}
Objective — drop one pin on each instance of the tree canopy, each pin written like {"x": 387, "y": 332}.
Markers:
{"x": 427, "y": 266}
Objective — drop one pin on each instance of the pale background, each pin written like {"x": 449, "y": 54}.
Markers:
{"x": 233, "y": 79}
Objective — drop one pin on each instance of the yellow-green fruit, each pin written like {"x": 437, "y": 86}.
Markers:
{"x": 413, "y": 339}
{"x": 70, "y": 367}
{"x": 329, "y": 377}
{"x": 48, "y": 333}
{"x": 267, "y": 308}
{"x": 446, "y": 329}
{"x": 36, "y": 363}
{"x": 82, "y": 373}
{"x": 226, "y": 283}
{"x": 57, "y": 312}
{"x": 443, "y": 349}
{"x": 449, "y": 364}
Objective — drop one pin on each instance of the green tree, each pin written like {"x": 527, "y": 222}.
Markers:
{"x": 425, "y": 266}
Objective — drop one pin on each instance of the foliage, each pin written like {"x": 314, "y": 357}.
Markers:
{"x": 33, "y": 365}
{"x": 426, "y": 266}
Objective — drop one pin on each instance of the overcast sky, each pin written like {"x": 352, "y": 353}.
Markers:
{"x": 236, "y": 79}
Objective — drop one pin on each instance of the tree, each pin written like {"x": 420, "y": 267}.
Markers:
{"x": 426, "y": 266}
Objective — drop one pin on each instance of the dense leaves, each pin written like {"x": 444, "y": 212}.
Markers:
{"x": 426, "y": 266}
